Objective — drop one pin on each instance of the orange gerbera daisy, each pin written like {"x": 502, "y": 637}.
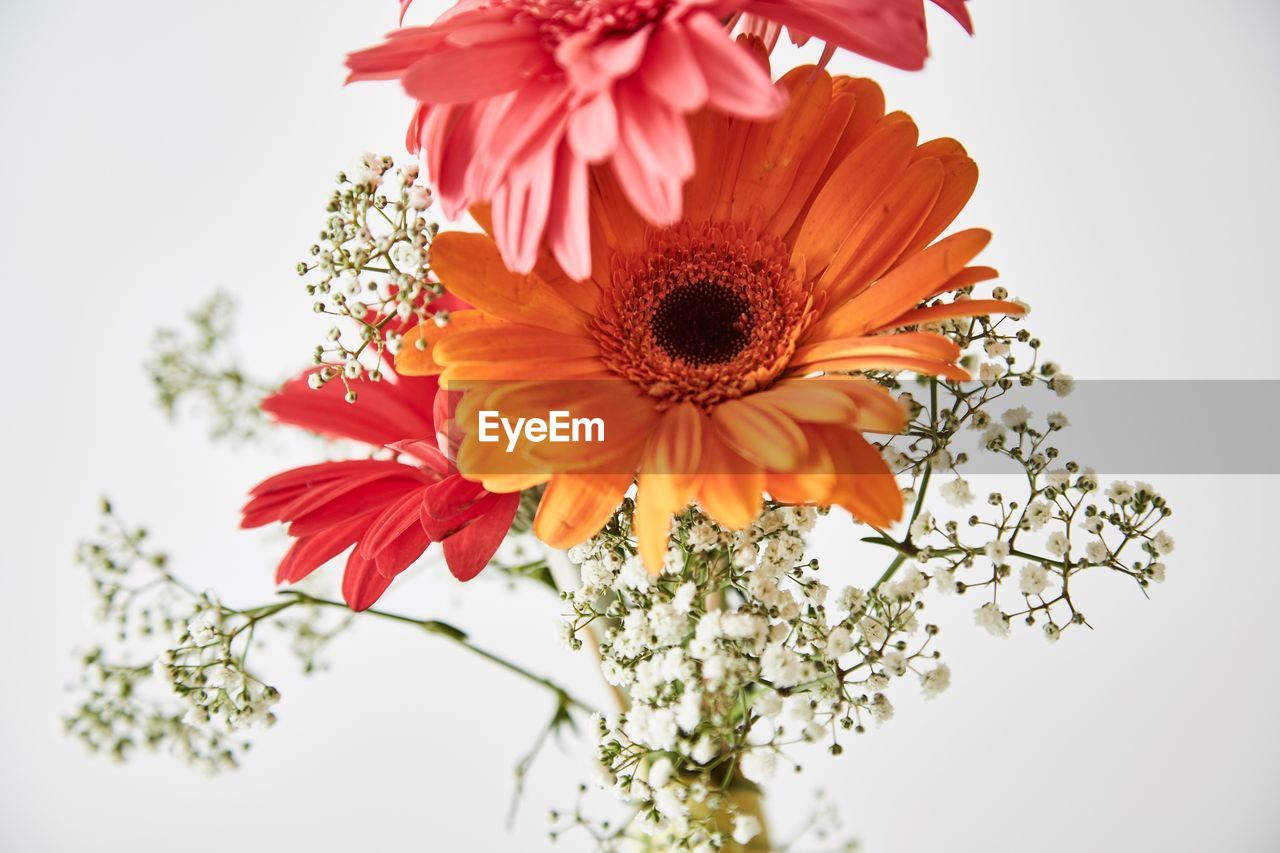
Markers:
{"x": 723, "y": 351}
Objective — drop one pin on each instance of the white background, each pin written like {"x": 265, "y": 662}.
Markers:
{"x": 152, "y": 151}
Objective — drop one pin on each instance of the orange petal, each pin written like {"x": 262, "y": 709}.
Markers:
{"x": 903, "y": 288}
{"x": 967, "y": 277}
{"x": 960, "y": 178}
{"x": 731, "y": 489}
{"x": 578, "y": 368}
{"x": 952, "y": 310}
{"x": 909, "y": 344}
{"x": 583, "y": 295}
{"x": 774, "y": 151}
{"x": 575, "y": 506}
{"x": 878, "y": 410}
{"x": 863, "y": 364}
{"x": 468, "y": 265}
{"x": 759, "y": 433}
{"x": 411, "y": 361}
{"x": 867, "y": 173}
{"x": 883, "y": 232}
{"x": 864, "y": 485}
{"x": 807, "y": 179}
{"x": 811, "y": 401}
{"x": 813, "y": 480}
{"x": 505, "y": 342}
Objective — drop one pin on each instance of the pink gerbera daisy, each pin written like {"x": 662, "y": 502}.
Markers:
{"x": 518, "y": 97}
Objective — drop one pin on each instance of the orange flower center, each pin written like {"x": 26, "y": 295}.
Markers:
{"x": 704, "y": 314}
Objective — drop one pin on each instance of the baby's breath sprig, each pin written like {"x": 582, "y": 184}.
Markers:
{"x": 197, "y": 696}
{"x": 736, "y": 651}
{"x": 177, "y": 672}
{"x": 1057, "y": 527}
{"x": 198, "y": 365}
{"x": 371, "y": 269}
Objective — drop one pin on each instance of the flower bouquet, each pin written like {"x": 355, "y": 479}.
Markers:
{"x": 703, "y": 305}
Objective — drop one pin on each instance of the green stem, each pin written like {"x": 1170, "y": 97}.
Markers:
{"x": 458, "y": 636}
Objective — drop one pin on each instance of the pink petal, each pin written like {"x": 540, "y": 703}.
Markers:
{"x": 469, "y": 73}
{"x": 520, "y": 208}
{"x": 736, "y": 81}
{"x": 654, "y": 155}
{"x": 569, "y": 226}
{"x": 671, "y": 71}
{"x": 888, "y": 31}
{"x": 593, "y": 128}
{"x": 619, "y": 56}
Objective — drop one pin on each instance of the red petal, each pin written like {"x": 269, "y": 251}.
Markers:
{"x": 311, "y": 552}
{"x": 391, "y": 523}
{"x": 362, "y": 583}
{"x": 401, "y": 553}
{"x": 469, "y": 550}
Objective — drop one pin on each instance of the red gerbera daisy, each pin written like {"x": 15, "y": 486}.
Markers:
{"x": 390, "y": 510}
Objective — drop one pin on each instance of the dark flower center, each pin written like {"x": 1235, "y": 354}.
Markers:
{"x": 701, "y": 323}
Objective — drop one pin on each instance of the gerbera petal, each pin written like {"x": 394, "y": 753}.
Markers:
{"x": 362, "y": 583}
{"x": 568, "y": 223}
{"x": 864, "y": 485}
{"x": 482, "y": 342}
{"x": 391, "y": 523}
{"x": 412, "y": 361}
{"x": 863, "y": 176}
{"x": 775, "y": 151}
{"x": 959, "y": 179}
{"x": 469, "y": 550}
{"x": 385, "y": 414}
{"x": 759, "y": 432}
{"x": 469, "y": 266}
{"x": 878, "y": 410}
{"x": 671, "y": 72}
{"x": 575, "y": 506}
{"x": 737, "y": 82}
{"x": 891, "y": 363}
{"x": 952, "y": 310}
{"x": 903, "y": 288}
{"x": 730, "y": 487}
{"x": 593, "y": 128}
{"x": 883, "y": 231}
{"x": 811, "y": 401}
{"x": 910, "y": 344}
{"x": 472, "y": 72}
{"x": 311, "y": 552}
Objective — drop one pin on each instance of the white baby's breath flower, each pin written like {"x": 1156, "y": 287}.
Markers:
{"x": 758, "y": 765}
{"x": 988, "y": 616}
{"x": 957, "y": 492}
{"x": 1033, "y": 579}
{"x": 745, "y": 828}
{"x": 934, "y": 681}
{"x": 1017, "y": 417}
